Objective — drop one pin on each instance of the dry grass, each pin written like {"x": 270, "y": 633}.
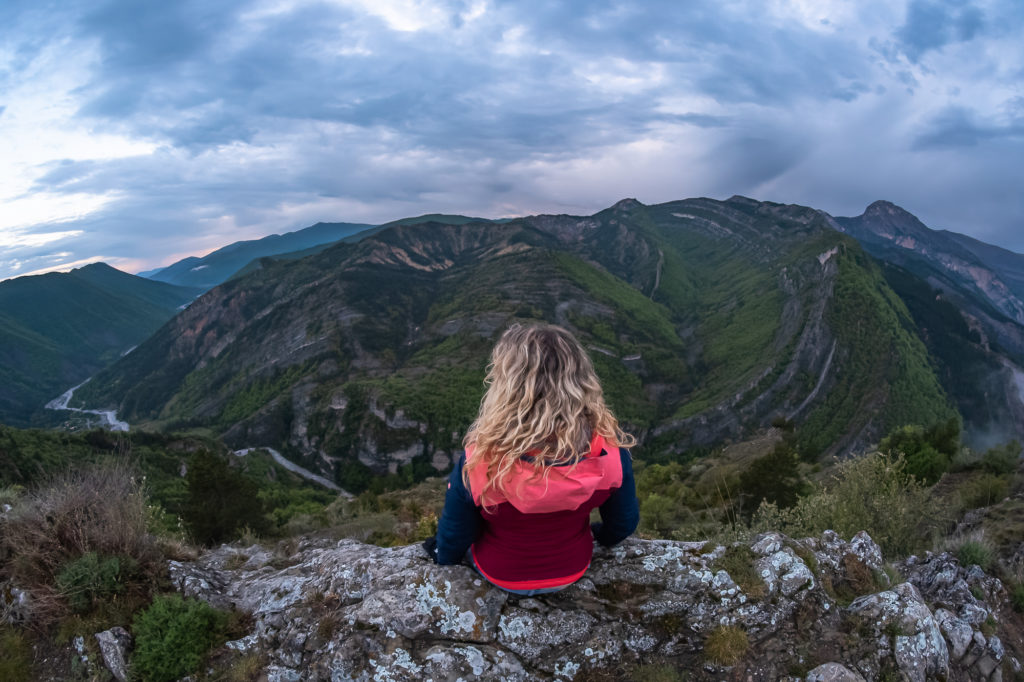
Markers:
{"x": 99, "y": 509}
{"x": 726, "y": 645}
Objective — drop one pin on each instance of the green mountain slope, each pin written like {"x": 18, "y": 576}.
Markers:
{"x": 705, "y": 319}
{"x": 58, "y": 329}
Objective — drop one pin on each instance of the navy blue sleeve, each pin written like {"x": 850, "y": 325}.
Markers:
{"x": 620, "y": 513}
{"x": 460, "y": 521}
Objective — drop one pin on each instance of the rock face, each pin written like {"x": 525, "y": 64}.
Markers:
{"x": 349, "y": 611}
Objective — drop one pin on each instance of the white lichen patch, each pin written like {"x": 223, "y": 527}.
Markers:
{"x": 452, "y": 620}
{"x": 568, "y": 669}
{"x": 515, "y": 627}
{"x": 672, "y": 553}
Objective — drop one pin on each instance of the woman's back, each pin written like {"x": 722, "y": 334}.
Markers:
{"x": 541, "y": 455}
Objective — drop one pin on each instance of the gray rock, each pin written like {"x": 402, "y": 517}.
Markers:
{"x": 15, "y": 604}
{"x": 114, "y": 646}
{"x": 833, "y": 672}
{"x": 901, "y": 614}
{"x": 349, "y": 611}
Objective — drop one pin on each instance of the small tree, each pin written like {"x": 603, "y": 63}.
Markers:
{"x": 221, "y": 501}
{"x": 928, "y": 452}
{"x": 773, "y": 478}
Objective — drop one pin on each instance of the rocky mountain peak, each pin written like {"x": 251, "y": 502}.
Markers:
{"x": 627, "y": 204}
{"x": 885, "y": 215}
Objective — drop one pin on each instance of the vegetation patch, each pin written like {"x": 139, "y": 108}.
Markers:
{"x": 976, "y": 552}
{"x": 93, "y": 577}
{"x": 738, "y": 561}
{"x": 657, "y": 672}
{"x": 1017, "y": 596}
{"x": 80, "y": 538}
{"x": 15, "y": 656}
{"x": 873, "y": 493}
{"x": 726, "y": 645}
{"x": 173, "y": 637}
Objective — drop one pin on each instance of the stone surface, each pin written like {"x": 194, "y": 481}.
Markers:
{"x": 348, "y": 611}
{"x": 833, "y": 672}
{"x": 114, "y": 645}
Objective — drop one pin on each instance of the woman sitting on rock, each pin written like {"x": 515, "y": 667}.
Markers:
{"x": 543, "y": 452}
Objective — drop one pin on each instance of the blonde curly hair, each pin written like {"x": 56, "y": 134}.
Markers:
{"x": 543, "y": 399}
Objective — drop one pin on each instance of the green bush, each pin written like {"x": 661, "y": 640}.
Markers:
{"x": 774, "y": 477}
{"x": 657, "y": 513}
{"x": 92, "y": 576}
{"x": 1002, "y": 459}
{"x": 15, "y": 656}
{"x": 977, "y": 552}
{"x": 221, "y": 500}
{"x": 873, "y": 493}
{"x": 173, "y": 636}
{"x": 928, "y": 452}
{"x": 1017, "y": 597}
{"x": 983, "y": 491}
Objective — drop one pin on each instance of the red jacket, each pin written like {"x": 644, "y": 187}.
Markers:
{"x": 538, "y": 535}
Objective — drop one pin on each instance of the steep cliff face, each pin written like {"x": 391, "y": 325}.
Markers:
{"x": 817, "y": 608}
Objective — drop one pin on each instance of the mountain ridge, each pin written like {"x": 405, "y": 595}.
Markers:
{"x": 369, "y": 356}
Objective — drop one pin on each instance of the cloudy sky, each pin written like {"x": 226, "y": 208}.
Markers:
{"x": 141, "y": 132}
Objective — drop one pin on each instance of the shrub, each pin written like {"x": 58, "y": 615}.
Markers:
{"x": 98, "y": 510}
{"x": 928, "y": 452}
{"x": 657, "y": 513}
{"x": 1017, "y": 597}
{"x": 774, "y": 477}
{"x": 173, "y": 636}
{"x": 15, "y": 656}
{"x": 873, "y": 493}
{"x": 1002, "y": 459}
{"x": 978, "y": 552}
{"x": 726, "y": 645}
{"x": 91, "y": 577}
{"x": 221, "y": 500}
{"x": 983, "y": 491}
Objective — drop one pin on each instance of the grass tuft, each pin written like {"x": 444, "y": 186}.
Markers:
{"x": 726, "y": 645}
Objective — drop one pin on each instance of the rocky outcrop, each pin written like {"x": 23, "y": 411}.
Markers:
{"x": 816, "y": 609}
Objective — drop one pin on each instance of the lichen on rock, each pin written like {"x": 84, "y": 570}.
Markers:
{"x": 349, "y": 611}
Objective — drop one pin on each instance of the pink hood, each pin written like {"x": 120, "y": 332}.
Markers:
{"x": 565, "y": 488}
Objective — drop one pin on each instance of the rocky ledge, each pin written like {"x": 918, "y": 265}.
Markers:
{"x": 814, "y": 609}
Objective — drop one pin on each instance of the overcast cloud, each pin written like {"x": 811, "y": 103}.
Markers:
{"x": 139, "y": 133}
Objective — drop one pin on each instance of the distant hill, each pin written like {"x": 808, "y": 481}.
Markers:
{"x": 371, "y": 230}
{"x": 58, "y": 329}
{"x": 705, "y": 319}
{"x": 214, "y": 268}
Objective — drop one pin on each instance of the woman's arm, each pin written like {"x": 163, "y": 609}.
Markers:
{"x": 460, "y": 521}
{"x": 620, "y": 513}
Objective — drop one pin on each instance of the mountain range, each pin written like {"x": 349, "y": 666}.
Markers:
{"x": 706, "y": 320}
